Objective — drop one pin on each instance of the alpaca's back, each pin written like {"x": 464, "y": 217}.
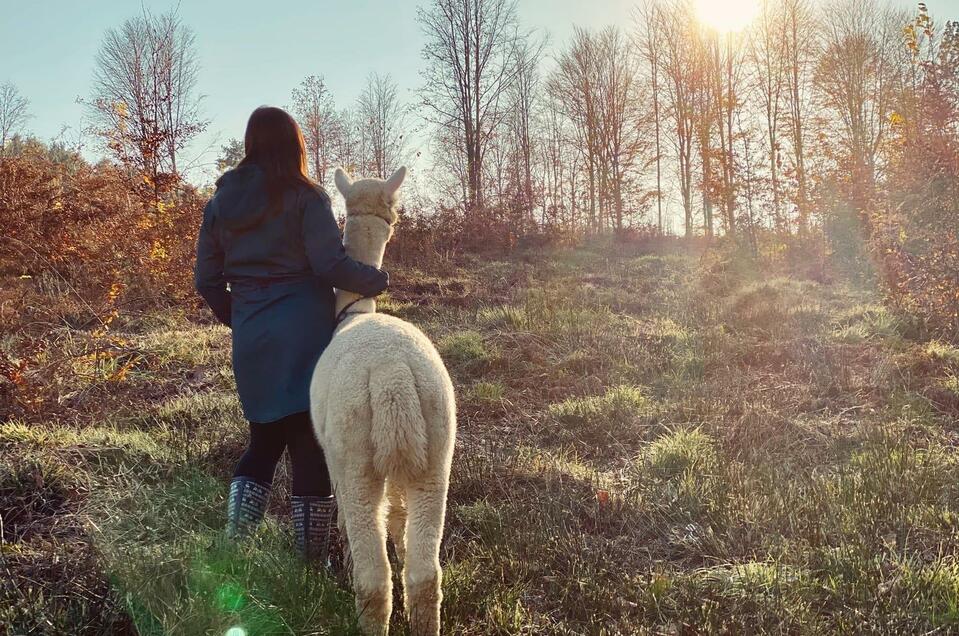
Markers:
{"x": 381, "y": 389}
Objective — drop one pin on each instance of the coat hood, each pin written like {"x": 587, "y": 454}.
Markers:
{"x": 241, "y": 199}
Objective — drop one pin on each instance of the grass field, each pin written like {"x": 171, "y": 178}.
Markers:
{"x": 648, "y": 443}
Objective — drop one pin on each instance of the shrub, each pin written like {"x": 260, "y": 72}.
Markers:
{"x": 81, "y": 242}
{"x": 94, "y": 231}
{"x": 915, "y": 227}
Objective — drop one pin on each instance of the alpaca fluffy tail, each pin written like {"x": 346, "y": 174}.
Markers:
{"x": 398, "y": 428}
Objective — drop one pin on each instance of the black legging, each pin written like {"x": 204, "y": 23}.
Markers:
{"x": 295, "y": 433}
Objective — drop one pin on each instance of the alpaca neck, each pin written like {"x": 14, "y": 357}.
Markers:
{"x": 360, "y": 306}
{"x": 365, "y": 239}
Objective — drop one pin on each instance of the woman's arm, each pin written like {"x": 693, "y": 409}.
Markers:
{"x": 208, "y": 272}
{"x": 328, "y": 257}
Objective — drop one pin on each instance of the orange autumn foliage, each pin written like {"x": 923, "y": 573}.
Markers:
{"x": 915, "y": 225}
{"x": 82, "y": 246}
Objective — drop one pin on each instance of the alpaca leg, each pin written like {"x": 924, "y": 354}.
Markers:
{"x": 347, "y": 570}
{"x": 396, "y": 518}
{"x": 362, "y": 504}
{"x": 422, "y": 576}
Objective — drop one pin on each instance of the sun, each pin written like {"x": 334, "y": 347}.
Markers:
{"x": 726, "y": 16}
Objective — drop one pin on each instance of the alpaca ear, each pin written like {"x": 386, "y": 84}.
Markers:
{"x": 343, "y": 181}
{"x": 393, "y": 183}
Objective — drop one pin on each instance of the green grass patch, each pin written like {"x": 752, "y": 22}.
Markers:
{"x": 680, "y": 481}
{"x": 603, "y": 424}
{"x": 487, "y": 391}
{"x": 618, "y": 404}
{"x": 163, "y": 548}
{"x": 464, "y": 348}
{"x": 868, "y": 323}
{"x": 943, "y": 352}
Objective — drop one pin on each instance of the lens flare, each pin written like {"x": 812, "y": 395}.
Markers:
{"x": 230, "y": 597}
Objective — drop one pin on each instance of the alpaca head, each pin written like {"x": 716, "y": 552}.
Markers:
{"x": 370, "y": 214}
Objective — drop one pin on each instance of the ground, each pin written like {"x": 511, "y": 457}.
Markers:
{"x": 650, "y": 441}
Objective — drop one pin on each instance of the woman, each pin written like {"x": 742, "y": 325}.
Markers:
{"x": 270, "y": 234}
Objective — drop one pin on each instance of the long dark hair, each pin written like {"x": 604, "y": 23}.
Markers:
{"x": 273, "y": 142}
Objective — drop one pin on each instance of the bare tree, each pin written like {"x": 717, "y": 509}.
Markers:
{"x": 349, "y": 142}
{"x": 450, "y": 170}
{"x": 681, "y": 69}
{"x": 558, "y": 165}
{"x": 767, "y": 53}
{"x": 382, "y": 117}
{"x": 703, "y": 88}
{"x": 315, "y": 112}
{"x": 231, "y": 154}
{"x": 469, "y": 53}
{"x": 858, "y": 77}
{"x": 13, "y": 113}
{"x": 573, "y": 87}
{"x": 501, "y": 206}
{"x": 801, "y": 48}
{"x": 144, "y": 102}
{"x": 650, "y": 44}
{"x": 177, "y": 82}
{"x": 596, "y": 86}
{"x": 726, "y": 70}
{"x": 623, "y": 138}
{"x": 522, "y": 96}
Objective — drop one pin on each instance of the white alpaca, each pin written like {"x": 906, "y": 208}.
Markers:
{"x": 384, "y": 411}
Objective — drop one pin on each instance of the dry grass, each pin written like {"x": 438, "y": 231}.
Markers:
{"x": 649, "y": 443}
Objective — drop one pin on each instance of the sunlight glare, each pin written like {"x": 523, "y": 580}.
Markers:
{"x": 230, "y": 597}
{"x": 727, "y": 16}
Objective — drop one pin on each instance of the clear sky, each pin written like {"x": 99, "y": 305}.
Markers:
{"x": 254, "y": 53}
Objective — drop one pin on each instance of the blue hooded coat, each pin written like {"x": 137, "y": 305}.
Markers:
{"x": 281, "y": 266}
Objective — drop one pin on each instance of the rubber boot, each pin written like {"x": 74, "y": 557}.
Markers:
{"x": 246, "y": 506}
{"x": 312, "y": 519}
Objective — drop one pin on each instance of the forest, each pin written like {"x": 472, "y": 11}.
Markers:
{"x": 695, "y": 275}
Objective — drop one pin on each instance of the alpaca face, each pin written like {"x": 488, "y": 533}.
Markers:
{"x": 370, "y": 214}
